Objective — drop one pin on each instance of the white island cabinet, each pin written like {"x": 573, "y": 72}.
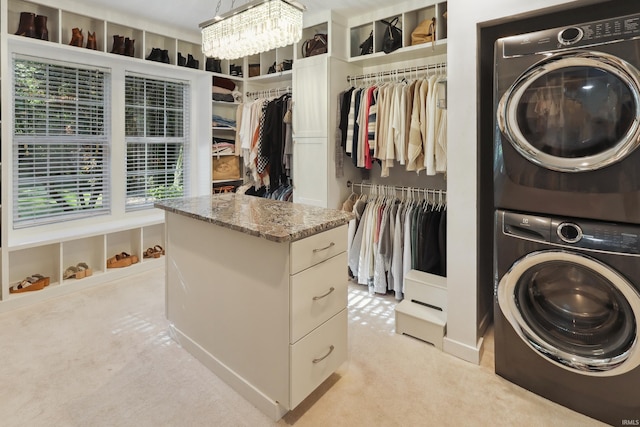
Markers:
{"x": 256, "y": 289}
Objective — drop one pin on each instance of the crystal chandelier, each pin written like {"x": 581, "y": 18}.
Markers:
{"x": 255, "y": 27}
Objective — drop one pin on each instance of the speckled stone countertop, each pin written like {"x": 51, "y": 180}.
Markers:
{"x": 272, "y": 219}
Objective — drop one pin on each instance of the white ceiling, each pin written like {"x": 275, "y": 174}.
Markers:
{"x": 187, "y": 14}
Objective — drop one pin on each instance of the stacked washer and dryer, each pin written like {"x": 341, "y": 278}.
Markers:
{"x": 567, "y": 216}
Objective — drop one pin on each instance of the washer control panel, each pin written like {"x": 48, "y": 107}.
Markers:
{"x": 584, "y": 234}
{"x": 587, "y": 34}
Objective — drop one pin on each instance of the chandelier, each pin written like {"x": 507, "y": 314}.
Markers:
{"x": 257, "y": 26}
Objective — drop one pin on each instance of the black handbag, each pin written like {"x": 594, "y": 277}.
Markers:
{"x": 392, "y": 39}
{"x": 366, "y": 47}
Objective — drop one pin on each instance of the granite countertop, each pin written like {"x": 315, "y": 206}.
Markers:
{"x": 272, "y": 219}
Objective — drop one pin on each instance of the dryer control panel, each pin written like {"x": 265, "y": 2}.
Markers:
{"x": 582, "y": 35}
{"x": 584, "y": 234}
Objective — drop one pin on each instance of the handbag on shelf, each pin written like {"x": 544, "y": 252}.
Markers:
{"x": 366, "y": 47}
{"x": 425, "y": 32}
{"x": 315, "y": 46}
{"x": 392, "y": 39}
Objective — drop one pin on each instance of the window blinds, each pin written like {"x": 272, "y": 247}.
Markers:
{"x": 156, "y": 128}
{"x": 60, "y": 142}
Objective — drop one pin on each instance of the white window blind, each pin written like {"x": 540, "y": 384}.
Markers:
{"x": 157, "y": 130}
{"x": 60, "y": 142}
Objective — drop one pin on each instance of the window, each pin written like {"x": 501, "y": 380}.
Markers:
{"x": 156, "y": 135}
{"x": 60, "y": 142}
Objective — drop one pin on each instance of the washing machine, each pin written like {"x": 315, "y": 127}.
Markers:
{"x": 567, "y": 312}
{"x": 568, "y": 121}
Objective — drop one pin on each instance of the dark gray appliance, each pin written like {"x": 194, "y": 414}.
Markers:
{"x": 567, "y": 312}
{"x": 568, "y": 121}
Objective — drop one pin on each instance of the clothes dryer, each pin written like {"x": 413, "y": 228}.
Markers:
{"x": 568, "y": 121}
{"x": 567, "y": 312}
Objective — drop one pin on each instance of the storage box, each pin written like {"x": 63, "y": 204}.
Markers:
{"x": 226, "y": 167}
{"x": 254, "y": 70}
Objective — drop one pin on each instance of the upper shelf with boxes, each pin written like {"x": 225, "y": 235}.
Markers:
{"x": 400, "y": 35}
{"x": 60, "y": 26}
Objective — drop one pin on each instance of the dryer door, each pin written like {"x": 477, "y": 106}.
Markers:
{"x": 573, "y": 111}
{"x": 573, "y": 310}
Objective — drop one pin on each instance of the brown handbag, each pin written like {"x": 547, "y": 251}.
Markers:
{"x": 315, "y": 46}
{"x": 424, "y": 32}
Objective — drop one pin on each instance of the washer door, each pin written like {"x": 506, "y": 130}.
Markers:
{"x": 573, "y": 111}
{"x": 574, "y": 311}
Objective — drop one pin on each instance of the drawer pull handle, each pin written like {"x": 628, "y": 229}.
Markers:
{"x": 331, "y": 289}
{"x": 325, "y": 356}
{"x": 325, "y": 248}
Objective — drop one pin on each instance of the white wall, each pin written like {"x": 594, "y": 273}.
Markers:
{"x": 464, "y": 19}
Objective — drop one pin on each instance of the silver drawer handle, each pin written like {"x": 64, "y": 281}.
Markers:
{"x": 325, "y": 356}
{"x": 325, "y": 248}
{"x": 331, "y": 289}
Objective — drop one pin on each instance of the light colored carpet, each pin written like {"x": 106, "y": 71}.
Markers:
{"x": 104, "y": 357}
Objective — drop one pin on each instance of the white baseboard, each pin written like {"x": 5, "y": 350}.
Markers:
{"x": 463, "y": 351}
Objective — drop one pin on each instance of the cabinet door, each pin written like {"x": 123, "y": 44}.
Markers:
{"x": 310, "y": 97}
{"x": 310, "y": 171}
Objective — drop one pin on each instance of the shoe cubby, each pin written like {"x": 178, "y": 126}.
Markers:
{"x": 152, "y": 235}
{"x": 186, "y": 49}
{"x": 89, "y": 250}
{"x": 44, "y": 260}
{"x": 127, "y": 32}
{"x": 16, "y": 7}
{"x": 158, "y": 41}
{"x": 87, "y": 24}
{"x": 360, "y": 28}
{"x": 128, "y": 241}
{"x": 258, "y": 66}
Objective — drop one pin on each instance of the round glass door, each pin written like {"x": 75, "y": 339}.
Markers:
{"x": 573, "y": 310}
{"x": 573, "y": 111}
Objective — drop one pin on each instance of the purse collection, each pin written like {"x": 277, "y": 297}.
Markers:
{"x": 424, "y": 32}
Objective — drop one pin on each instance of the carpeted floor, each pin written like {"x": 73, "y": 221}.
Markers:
{"x": 104, "y": 357}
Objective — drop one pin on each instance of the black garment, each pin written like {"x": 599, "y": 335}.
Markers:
{"x": 431, "y": 258}
{"x": 442, "y": 243}
{"x": 344, "y": 116}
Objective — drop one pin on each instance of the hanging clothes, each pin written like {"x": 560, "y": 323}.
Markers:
{"x": 391, "y": 236}
{"x": 395, "y": 123}
{"x": 266, "y": 142}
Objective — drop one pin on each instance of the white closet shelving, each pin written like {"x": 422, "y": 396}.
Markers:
{"x": 60, "y": 23}
{"x": 321, "y": 78}
{"x": 50, "y": 250}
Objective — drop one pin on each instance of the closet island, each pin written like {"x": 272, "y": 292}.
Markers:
{"x": 256, "y": 289}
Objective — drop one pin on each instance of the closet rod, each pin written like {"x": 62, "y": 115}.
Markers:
{"x": 269, "y": 92}
{"x": 439, "y": 65}
{"x": 364, "y": 185}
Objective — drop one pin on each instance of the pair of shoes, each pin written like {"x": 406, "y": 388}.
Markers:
{"x": 190, "y": 62}
{"x": 122, "y": 259}
{"x": 32, "y": 283}
{"x": 79, "y": 271}
{"x": 32, "y": 25}
{"x": 235, "y": 70}
{"x": 213, "y": 65}
{"x": 159, "y": 55}
{"x": 123, "y": 46}
{"x": 154, "y": 252}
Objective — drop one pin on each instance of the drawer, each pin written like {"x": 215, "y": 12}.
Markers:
{"x": 316, "y": 356}
{"x": 317, "y": 248}
{"x": 317, "y": 293}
